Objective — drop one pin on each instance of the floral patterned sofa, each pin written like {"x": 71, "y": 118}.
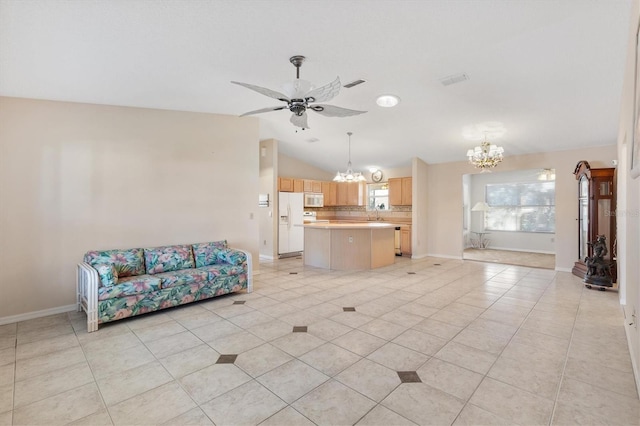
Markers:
{"x": 116, "y": 284}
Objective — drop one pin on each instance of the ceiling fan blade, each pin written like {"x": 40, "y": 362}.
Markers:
{"x": 334, "y": 111}
{"x": 258, "y": 111}
{"x": 299, "y": 120}
{"x": 263, "y": 90}
{"x": 324, "y": 93}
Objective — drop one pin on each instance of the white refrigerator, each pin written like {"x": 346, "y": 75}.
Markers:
{"x": 291, "y": 217}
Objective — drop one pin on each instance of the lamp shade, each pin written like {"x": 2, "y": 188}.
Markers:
{"x": 481, "y": 206}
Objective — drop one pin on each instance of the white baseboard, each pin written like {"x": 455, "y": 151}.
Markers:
{"x": 521, "y": 250}
{"x": 37, "y": 314}
{"x": 265, "y": 257}
{"x": 419, "y": 256}
{"x": 444, "y": 256}
{"x": 634, "y": 365}
{"x": 559, "y": 269}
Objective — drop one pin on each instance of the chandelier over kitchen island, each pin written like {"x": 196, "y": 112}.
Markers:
{"x": 349, "y": 175}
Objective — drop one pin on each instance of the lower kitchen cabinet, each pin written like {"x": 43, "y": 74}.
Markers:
{"x": 405, "y": 240}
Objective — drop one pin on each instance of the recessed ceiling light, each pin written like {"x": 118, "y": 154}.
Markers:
{"x": 387, "y": 101}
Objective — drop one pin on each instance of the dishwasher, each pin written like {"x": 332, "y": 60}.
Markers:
{"x": 397, "y": 242}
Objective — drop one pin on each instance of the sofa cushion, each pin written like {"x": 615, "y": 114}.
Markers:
{"x": 207, "y": 253}
{"x": 183, "y": 276}
{"x": 168, "y": 258}
{"x": 130, "y": 286}
{"x": 128, "y": 263}
{"x": 232, "y": 257}
{"x": 108, "y": 274}
{"x": 222, "y": 270}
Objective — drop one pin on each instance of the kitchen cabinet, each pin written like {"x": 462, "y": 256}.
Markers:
{"x": 285, "y": 184}
{"x": 329, "y": 189}
{"x": 400, "y": 191}
{"x": 350, "y": 193}
{"x": 407, "y": 188}
{"x": 405, "y": 240}
{"x": 312, "y": 186}
{"x": 335, "y": 193}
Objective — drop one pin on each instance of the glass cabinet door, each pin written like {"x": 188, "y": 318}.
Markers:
{"x": 583, "y": 218}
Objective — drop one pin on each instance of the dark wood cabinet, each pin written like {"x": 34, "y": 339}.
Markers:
{"x": 596, "y": 214}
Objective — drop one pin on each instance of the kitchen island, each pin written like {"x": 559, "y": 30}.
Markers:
{"x": 349, "y": 245}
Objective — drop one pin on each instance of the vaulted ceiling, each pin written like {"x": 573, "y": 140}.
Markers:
{"x": 550, "y": 71}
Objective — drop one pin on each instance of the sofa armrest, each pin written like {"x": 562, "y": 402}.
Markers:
{"x": 87, "y": 282}
{"x": 249, "y": 269}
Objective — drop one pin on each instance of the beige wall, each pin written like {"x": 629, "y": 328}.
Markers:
{"x": 419, "y": 208}
{"x": 292, "y": 167}
{"x": 444, "y": 189}
{"x": 628, "y": 219}
{"x": 268, "y": 216}
{"x": 393, "y": 173}
{"x": 75, "y": 177}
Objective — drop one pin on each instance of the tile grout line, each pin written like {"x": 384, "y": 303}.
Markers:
{"x": 566, "y": 359}
{"x": 354, "y": 284}
{"x": 500, "y": 354}
{"x": 15, "y": 368}
{"x": 95, "y": 381}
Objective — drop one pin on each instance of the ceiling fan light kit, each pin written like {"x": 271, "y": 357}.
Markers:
{"x": 547, "y": 174}
{"x": 349, "y": 175}
{"x": 299, "y": 97}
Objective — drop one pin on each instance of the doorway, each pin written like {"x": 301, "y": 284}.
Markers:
{"x": 509, "y": 217}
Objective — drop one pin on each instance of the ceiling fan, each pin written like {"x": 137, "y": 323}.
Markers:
{"x": 300, "y": 95}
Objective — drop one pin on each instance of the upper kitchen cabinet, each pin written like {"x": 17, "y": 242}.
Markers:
{"x": 298, "y": 185}
{"x": 312, "y": 186}
{"x": 351, "y": 193}
{"x": 400, "y": 191}
{"x": 285, "y": 184}
{"x": 330, "y": 191}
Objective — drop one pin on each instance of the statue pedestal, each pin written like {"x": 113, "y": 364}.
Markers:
{"x": 600, "y": 281}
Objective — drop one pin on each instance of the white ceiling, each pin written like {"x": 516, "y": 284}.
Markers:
{"x": 550, "y": 71}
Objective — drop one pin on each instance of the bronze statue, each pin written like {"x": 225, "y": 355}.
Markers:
{"x": 598, "y": 269}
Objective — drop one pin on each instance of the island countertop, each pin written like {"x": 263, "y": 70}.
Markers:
{"x": 349, "y": 245}
{"x": 350, "y": 225}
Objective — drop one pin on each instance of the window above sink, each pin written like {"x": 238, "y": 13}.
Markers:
{"x": 378, "y": 196}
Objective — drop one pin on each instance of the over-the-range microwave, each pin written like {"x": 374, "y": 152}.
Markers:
{"x": 312, "y": 199}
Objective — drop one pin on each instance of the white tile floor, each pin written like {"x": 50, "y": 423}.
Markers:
{"x": 491, "y": 344}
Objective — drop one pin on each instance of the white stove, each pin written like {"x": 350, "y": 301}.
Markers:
{"x": 312, "y": 217}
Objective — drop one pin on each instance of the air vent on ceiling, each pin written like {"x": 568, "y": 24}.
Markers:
{"x": 453, "y": 79}
{"x": 354, "y": 83}
{"x": 312, "y": 140}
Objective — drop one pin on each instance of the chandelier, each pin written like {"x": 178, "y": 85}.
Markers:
{"x": 349, "y": 175}
{"x": 486, "y": 156}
